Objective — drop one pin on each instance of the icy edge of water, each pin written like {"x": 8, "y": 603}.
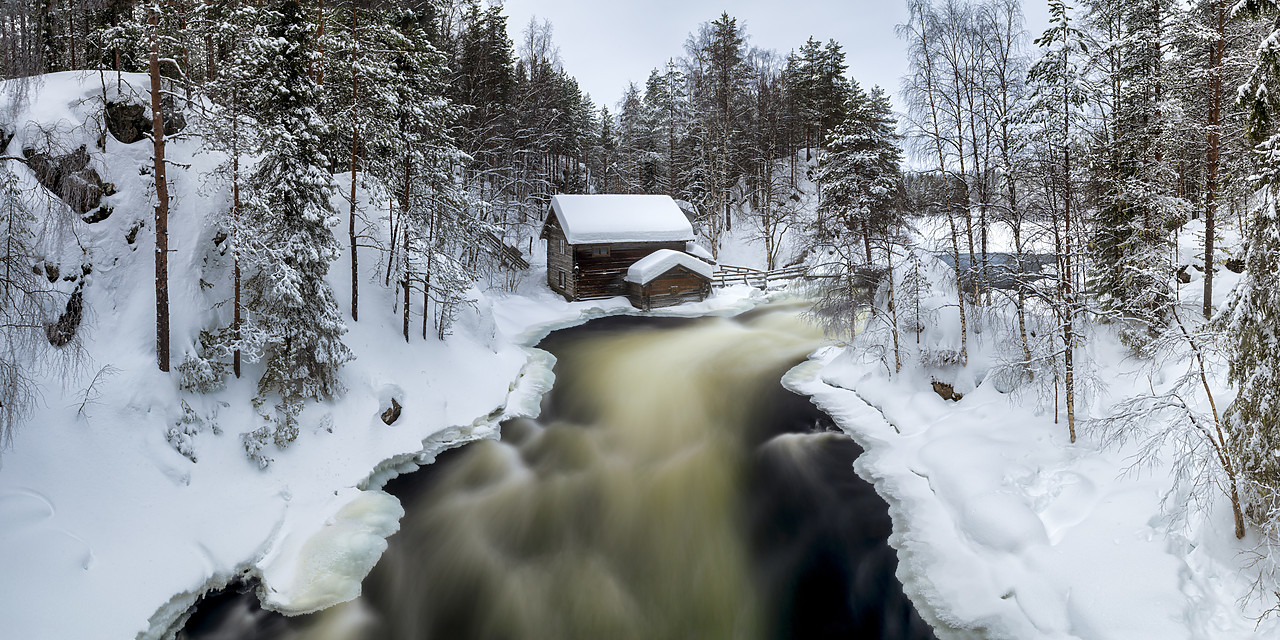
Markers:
{"x": 867, "y": 426}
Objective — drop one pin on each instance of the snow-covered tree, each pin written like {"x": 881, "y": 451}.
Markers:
{"x": 293, "y": 318}
{"x": 1139, "y": 205}
{"x": 861, "y": 171}
{"x": 1253, "y": 419}
{"x": 1059, "y": 96}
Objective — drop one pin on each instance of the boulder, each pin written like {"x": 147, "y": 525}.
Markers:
{"x": 392, "y": 414}
{"x": 70, "y": 177}
{"x": 946, "y": 391}
{"x": 130, "y": 123}
{"x": 61, "y": 333}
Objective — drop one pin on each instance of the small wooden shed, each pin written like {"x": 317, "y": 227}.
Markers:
{"x": 592, "y": 240}
{"x": 665, "y": 278}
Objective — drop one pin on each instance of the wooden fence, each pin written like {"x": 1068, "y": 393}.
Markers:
{"x": 727, "y": 275}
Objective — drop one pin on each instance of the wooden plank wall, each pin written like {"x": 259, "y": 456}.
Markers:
{"x": 674, "y": 287}
{"x": 559, "y": 262}
{"x": 602, "y": 276}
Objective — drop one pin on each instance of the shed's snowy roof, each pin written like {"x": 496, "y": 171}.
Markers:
{"x": 620, "y": 218}
{"x": 698, "y": 250}
{"x": 646, "y": 269}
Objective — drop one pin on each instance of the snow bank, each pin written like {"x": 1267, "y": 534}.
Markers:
{"x": 100, "y": 515}
{"x": 1006, "y": 529}
{"x": 646, "y": 269}
{"x": 589, "y": 219}
{"x": 1003, "y": 529}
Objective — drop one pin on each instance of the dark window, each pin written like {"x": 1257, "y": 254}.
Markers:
{"x": 600, "y": 251}
{"x": 561, "y": 279}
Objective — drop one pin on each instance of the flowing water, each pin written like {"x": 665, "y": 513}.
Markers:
{"x": 672, "y": 489}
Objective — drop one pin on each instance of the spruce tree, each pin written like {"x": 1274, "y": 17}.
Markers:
{"x": 1139, "y": 206}
{"x": 861, "y": 171}
{"x": 1253, "y": 418}
{"x": 295, "y": 321}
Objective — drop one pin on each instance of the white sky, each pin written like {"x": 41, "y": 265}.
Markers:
{"x": 607, "y": 43}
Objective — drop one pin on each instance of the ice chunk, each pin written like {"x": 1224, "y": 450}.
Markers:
{"x": 328, "y": 567}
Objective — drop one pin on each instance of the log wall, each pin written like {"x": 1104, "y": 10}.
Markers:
{"x": 677, "y": 286}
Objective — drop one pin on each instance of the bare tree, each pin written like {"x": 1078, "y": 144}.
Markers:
{"x": 923, "y": 93}
{"x": 1170, "y": 423}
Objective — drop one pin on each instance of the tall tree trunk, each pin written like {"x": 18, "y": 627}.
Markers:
{"x": 936, "y": 132}
{"x": 235, "y": 224}
{"x": 355, "y": 150}
{"x": 426, "y": 279}
{"x": 1212, "y": 186}
{"x": 1068, "y": 285}
{"x": 893, "y": 310}
{"x": 317, "y": 65}
{"x": 404, "y": 237}
{"x": 71, "y": 30}
{"x": 162, "y": 201}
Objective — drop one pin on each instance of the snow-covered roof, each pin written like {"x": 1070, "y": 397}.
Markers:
{"x": 646, "y": 269}
{"x": 698, "y": 250}
{"x": 589, "y": 219}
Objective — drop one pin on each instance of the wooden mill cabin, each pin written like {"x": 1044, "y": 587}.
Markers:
{"x": 592, "y": 240}
{"x": 665, "y": 278}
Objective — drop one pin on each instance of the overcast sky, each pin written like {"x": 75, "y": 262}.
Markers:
{"x": 607, "y": 43}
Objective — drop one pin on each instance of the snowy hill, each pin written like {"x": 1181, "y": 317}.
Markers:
{"x": 101, "y": 514}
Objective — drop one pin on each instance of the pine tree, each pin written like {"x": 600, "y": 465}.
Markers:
{"x": 162, "y": 190}
{"x": 360, "y": 99}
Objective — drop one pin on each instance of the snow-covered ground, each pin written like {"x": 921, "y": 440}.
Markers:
{"x": 1005, "y": 529}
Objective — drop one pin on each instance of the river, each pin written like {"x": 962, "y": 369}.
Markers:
{"x": 671, "y": 489}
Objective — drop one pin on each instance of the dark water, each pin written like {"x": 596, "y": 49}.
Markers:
{"x": 671, "y": 489}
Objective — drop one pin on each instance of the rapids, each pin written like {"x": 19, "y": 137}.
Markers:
{"x": 672, "y": 489}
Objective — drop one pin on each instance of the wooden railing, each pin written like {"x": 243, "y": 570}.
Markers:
{"x": 727, "y": 275}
